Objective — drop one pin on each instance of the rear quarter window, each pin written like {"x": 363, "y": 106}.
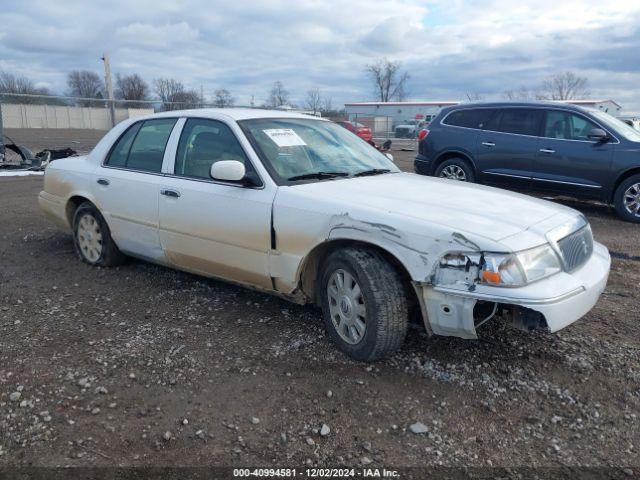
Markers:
{"x": 471, "y": 118}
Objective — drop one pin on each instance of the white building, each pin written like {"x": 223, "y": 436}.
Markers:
{"x": 395, "y": 112}
{"x": 607, "y": 106}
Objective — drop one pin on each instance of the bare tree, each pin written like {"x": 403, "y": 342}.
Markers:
{"x": 523, "y": 93}
{"x": 474, "y": 96}
{"x": 388, "y": 81}
{"x": 131, "y": 87}
{"x": 174, "y": 96}
{"x": 85, "y": 84}
{"x": 327, "y": 105}
{"x": 314, "y": 100}
{"x": 223, "y": 98}
{"x": 18, "y": 84}
{"x": 189, "y": 99}
{"x": 564, "y": 86}
{"x": 278, "y": 95}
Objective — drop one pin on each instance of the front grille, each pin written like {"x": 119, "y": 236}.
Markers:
{"x": 576, "y": 248}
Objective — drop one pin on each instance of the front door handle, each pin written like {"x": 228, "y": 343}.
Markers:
{"x": 488, "y": 144}
{"x": 103, "y": 181}
{"x": 547, "y": 150}
{"x": 170, "y": 193}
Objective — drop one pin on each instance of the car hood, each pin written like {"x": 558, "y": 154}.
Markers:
{"x": 489, "y": 212}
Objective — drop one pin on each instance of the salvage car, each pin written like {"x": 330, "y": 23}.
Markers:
{"x": 359, "y": 129}
{"x": 299, "y": 207}
{"x": 546, "y": 147}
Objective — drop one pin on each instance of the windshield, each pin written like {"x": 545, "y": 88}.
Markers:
{"x": 619, "y": 126}
{"x": 299, "y": 149}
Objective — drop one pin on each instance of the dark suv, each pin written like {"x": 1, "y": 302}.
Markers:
{"x": 541, "y": 146}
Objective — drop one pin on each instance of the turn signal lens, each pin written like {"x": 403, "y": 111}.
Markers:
{"x": 491, "y": 277}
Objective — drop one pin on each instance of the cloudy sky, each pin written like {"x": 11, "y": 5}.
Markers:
{"x": 449, "y": 47}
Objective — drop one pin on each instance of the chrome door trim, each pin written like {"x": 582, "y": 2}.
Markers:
{"x": 566, "y": 183}
{"x": 508, "y": 175}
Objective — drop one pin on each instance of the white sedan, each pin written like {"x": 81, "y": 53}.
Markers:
{"x": 300, "y": 207}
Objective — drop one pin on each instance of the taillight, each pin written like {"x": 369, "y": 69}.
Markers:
{"x": 423, "y": 134}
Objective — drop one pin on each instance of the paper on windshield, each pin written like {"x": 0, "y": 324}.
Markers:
{"x": 284, "y": 137}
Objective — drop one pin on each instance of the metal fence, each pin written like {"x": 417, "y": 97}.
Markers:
{"x": 385, "y": 128}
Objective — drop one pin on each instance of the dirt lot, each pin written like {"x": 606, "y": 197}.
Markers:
{"x": 142, "y": 365}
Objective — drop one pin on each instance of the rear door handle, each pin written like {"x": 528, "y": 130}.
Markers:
{"x": 103, "y": 181}
{"x": 547, "y": 150}
{"x": 170, "y": 193}
{"x": 488, "y": 144}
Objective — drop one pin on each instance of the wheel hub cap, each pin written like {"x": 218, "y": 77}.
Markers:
{"x": 631, "y": 199}
{"x": 346, "y": 306}
{"x": 89, "y": 238}
{"x": 453, "y": 172}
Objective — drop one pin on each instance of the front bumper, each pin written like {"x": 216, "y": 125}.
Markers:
{"x": 562, "y": 298}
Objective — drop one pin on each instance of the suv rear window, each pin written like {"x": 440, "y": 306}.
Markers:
{"x": 470, "y": 118}
{"x": 521, "y": 121}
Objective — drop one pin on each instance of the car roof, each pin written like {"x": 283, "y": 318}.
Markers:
{"x": 541, "y": 103}
{"x": 232, "y": 113}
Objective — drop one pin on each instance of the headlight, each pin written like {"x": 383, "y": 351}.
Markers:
{"x": 500, "y": 269}
{"x": 517, "y": 269}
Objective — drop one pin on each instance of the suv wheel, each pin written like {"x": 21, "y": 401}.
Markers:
{"x": 364, "y": 304}
{"x": 455, "y": 169}
{"x": 627, "y": 199}
{"x": 92, "y": 238}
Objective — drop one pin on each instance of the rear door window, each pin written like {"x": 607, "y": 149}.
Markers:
{"x": 142, "y": 146}
{"x": 567, "y": 126}
{"x": 471, "y": 118}
{"x": 520, "y": 121}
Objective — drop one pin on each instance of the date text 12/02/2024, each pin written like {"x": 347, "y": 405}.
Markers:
{"x": 317, "y": 473}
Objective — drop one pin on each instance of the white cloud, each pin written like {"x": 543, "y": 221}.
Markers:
{"x": 450, "y": 47}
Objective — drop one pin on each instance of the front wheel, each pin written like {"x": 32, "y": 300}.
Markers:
{"x": 364, "y": 304}
{"x": 627, "y": 199}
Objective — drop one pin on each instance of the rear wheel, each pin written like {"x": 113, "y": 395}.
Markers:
{"x": 455, "y": 169}
{"x": 627, "y": 199}
{"x": 92, "y": 238}
{"x": 364, "y": 303}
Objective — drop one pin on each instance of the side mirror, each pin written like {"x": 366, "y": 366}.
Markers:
{"x": 389, "y": 156}
{"x": 598, "y": 135}
{"x": 228, "y": 170}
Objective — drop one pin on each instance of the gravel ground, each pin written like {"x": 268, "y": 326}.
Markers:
{"x": 142, "y": 365}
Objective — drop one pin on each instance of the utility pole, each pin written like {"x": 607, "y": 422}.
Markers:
{"x": 2, "y": 150}
{"x": 109, "y": 85}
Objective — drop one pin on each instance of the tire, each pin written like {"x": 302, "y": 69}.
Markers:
{"x": 92, "y": 238}
{"x": 456, "y": 169}
{"x": 382, "y": 301}
{"x": 627, "y": 198}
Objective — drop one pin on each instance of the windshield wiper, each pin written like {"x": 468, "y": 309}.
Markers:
{"x": 373, "y": 171}
{"x": 318, "y": 175}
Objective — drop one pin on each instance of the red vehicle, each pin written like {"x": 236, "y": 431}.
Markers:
{"x": 360, "y": 130}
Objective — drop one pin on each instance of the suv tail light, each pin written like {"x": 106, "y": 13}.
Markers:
{"x": 423, "y": 134}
